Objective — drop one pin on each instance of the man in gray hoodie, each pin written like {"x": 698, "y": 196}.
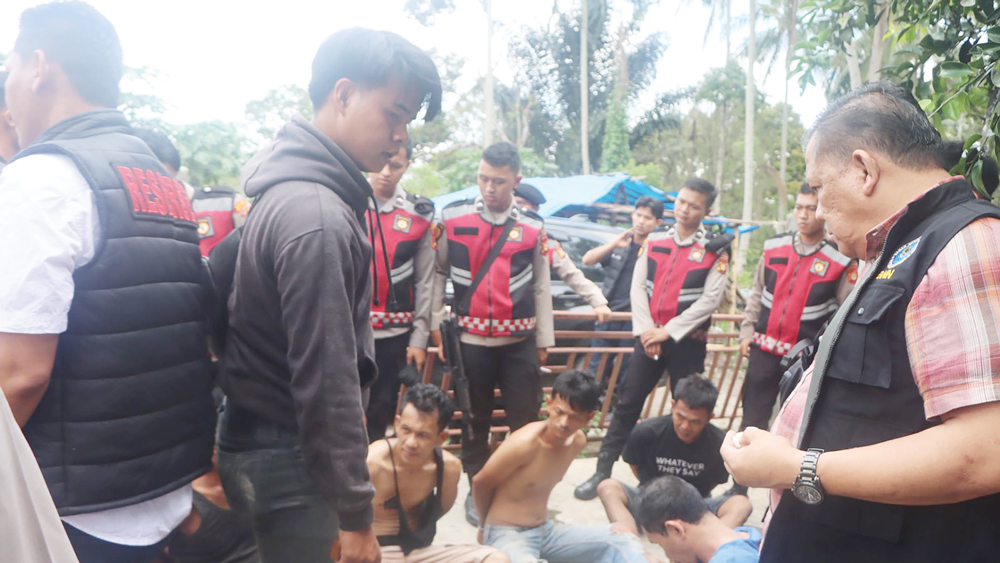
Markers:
{"x": 299, "y": 350}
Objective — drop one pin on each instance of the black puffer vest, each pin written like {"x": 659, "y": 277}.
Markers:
{"x": 128, "y": 414}
{"x": 867, "y": 395}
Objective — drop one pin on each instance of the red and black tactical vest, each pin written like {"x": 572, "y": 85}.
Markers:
{"x": 504, "y": 303}
{"x": 214, "y": 208}
{"x": 799, "y": 294}
{"x": 677, "y": 274}
{"x": 403, "y": 228}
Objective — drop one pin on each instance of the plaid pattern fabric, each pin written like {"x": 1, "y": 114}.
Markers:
{"x": 952, "y": 327}
{"x": 496, "y": 327}
{"x": 381, "y": 319}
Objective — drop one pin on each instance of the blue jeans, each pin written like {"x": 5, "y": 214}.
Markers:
{"x": 266, "y": 481}
{"x": 562, "y": 543}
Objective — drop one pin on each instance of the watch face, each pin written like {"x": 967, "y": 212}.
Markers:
{"x": 807, "y": 493}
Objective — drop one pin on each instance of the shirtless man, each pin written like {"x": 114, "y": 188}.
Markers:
{"x": 512, "y": 489}
{"x": 414, "y": 477}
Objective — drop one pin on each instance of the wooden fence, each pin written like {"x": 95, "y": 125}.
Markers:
{"x": 723, "y": 367}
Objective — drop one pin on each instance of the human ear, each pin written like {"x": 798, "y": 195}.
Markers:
{"x": 867, "y": 163}
{"x": 342, "y": 93}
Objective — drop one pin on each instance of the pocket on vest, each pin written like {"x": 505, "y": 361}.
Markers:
{"x": 862, "y": 352}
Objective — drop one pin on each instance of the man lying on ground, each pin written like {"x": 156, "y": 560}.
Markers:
{"x": 512, "y": 490}
{"x": 684, "y": 444}
{"x": 416, "y": 483}
{"x": 674, "y": 516}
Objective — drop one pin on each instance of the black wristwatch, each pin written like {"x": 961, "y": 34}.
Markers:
{"x": 807, "y": 487}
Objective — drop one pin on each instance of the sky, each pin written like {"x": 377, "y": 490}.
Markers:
{"x": 214, "y": 56}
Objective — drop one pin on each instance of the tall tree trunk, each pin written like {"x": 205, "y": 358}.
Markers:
{"x": 853, "y": 65}
{"x": 878, "y": 45}
{"x": 748, "y": 160}
{"x": 584, "y": 89}
{"x": 720, "y": 162}
{"x": 791, "y": 27}
{"x": 490, "y": 125}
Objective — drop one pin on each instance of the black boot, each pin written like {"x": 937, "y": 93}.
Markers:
{"x": 588, "y": 490}
{"x": 470, "y": 511}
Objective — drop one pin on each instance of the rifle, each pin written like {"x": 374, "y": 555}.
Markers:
{"x": 450, "y": 340}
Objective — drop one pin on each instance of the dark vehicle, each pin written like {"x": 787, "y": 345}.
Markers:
{"x": 577, "y": 237}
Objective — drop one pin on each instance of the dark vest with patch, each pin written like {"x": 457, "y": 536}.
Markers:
{"x": 128, "y": 414}
{"x": 867, "y": 396}
{"x": 403, "y": 229}
{"x": 615, "y": 269}
{"x": 676, "y": 275}
{"x": 504, "y": 302}
{"x": 799, "y": 293}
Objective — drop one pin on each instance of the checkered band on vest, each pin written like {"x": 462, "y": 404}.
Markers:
{"x": 381, "y": 319}
{"x": 477, "y": 325}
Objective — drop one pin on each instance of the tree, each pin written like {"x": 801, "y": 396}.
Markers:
{"x": 213, "y": 151}
{"x": 270, "y": 113}
{"x": 137, "y": 101}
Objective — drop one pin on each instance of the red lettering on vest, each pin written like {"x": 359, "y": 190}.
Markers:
{"x": 161, "y": 200}
{"x": 169, "y": 194}
{"x": 138, "y": 202}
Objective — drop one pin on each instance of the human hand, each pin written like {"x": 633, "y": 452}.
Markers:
{"x": 762, "y": 460}
{"x": 359, "y": 546}
{"x": 625, "y": 238}
{"x": 654, "y": 336}
{"x": 543, "y": 354}
{"x": 416, "y": 356}
{"x": 603, "y": 313}
{"x": 745, "y": 347}
{"x": 436, "y": 339}
{"x": 653, "y": 350}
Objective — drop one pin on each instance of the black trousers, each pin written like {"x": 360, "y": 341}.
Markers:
{"x": 760, "y": 388}
{"x": 513, "y": 368}
{"x": 390, "y": 357}
{"x": 679, "y": 359}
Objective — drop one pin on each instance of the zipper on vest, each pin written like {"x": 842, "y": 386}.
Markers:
{"x": 670, "y": 273}
{"x": 791, "y": 291}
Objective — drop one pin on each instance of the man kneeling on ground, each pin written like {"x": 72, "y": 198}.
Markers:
{"x": 512, "y": 490}
{"x": 684, "y": 444}
{"x": 416, "y": 483}
{"x": 674, "y": 516}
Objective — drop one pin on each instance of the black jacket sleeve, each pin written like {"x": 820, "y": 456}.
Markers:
{"x": 318, "y": 282}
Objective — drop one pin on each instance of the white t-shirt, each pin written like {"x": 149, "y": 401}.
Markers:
{"x": 49, "y": 227}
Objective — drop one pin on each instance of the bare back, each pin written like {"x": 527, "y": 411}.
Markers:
{"x": 533, "y": 470}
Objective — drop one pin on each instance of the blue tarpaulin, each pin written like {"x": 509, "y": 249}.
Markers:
{"x": 572, "y": 195}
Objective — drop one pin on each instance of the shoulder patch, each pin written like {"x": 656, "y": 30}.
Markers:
{"x": 642, "y": 249}
{"x": 852, "y": 273}
{"x": 903, "y": 253}
{"x": 722, "y": 264}
{"x": 241, "y": 206}
{"x": 437, "y": 229}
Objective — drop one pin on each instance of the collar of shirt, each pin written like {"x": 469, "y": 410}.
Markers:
{"x": 802, "y": 248}
{"x": 391, "y": 203}
{"x": 493, "y": 217}
{"x": 698, "y": 235}
{"x": 876, "y": 237}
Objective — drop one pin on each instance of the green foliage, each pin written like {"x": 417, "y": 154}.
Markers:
{"x": 213, "y": 151}
{"x": 616, "y": 153}
{"x": 137, "y": 101}
{"x": 269, "y": 114}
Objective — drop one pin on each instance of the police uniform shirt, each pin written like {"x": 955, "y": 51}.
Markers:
{"x": 568, "y": 272}
{"x": 423, "y": 283}
{"x": 544, "y": 327}
{"x": 692, "y": 317}
{"x": 49, "y": 227}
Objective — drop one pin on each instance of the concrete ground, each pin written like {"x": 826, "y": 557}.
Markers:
{"x": 565, "y": 508}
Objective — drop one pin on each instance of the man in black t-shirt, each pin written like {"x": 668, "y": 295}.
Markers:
{"x": 618, "y": 260}
{"x": 683, "y": 444}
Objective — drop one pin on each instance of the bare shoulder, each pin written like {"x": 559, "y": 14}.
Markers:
{"x": 579, "y": 441}
{"x": 451, "y": 463}
{"x": 378, "y": 454}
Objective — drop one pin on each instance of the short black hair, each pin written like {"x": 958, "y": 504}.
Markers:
{"x": 654, "y": 205}
{"x": 81, "y": 41}
{"x": 697, "y": 392}
{"x": 703, "y": 187}
{"x": 668, "y": 498}
{"x": 161, "y": 145}
{"x": 805, "y": 189}
{"x": 369, "y": 58}
{"x": 503, "y": 154}
{"x": 579, "y": 389}
{"x": 951, "y": 155}
{"x": 427, "y": 399}
{"x": 879, "y": 116}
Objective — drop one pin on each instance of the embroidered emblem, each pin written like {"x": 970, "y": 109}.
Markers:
{"x": 819, "y": 267}
{"x": 722, "y": 265}
{"x": 642, "y": 250}
{"x": 903, "y": 253}
{"x": 515, "y": 234}
{"x": 697, "y": 255}
{"x": 401, "y": 224}
{"x": 885, "y": 275}
{"x": 852, "y": 274}
{"x": 437, "y": 229}
{"x": 205, "y": 227}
